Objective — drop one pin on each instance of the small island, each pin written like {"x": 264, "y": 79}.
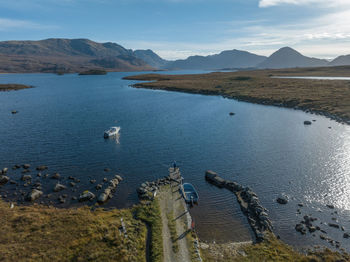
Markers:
{"x": 11, "y": 87}
{"x": 93, "y": 72}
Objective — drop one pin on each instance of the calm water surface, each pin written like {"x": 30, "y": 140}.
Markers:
{"x": 61, "y": 122}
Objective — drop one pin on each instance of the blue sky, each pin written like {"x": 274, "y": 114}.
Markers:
{"x": 179, "y": 28}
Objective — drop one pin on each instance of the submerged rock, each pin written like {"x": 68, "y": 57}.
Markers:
{"x": 307, "y": 122}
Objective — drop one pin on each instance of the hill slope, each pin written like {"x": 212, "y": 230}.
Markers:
{"x": 67, "y": 55}
{"x": 151, "y": 58}
{"x": 341, "y": 61}
{"x": 226, "y": 59}
{"x": 287, "y": 57}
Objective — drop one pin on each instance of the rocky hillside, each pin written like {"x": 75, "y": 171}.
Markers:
{"x": 66, "y": 55}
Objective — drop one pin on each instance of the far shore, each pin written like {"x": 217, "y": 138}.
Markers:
{"x": 325, "y": 97}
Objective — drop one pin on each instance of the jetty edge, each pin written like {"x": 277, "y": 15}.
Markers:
{"x": 256, "y": 214}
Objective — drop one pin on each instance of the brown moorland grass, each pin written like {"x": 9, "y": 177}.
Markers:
{"x": 331, "y": 98}
{"x": 268, "y": 250}
{"x": 39, "y": 233}
{"x": 9, "y": 87}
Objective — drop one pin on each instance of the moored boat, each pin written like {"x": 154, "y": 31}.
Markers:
{"x": 113, "y": 131}
{"x": 189, "y": 193}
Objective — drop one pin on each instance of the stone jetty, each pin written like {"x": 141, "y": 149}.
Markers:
{"x": 147, "y": 190}
{"x": 250, "y": 205}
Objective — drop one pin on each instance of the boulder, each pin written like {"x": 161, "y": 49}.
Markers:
{"x": 34, "y": 194}
{"x": 307, "y": 122}
{"x": 4, "y": 170}
{"x": 86, "y": 195}
{"x": 98, "y": 186}
{"x": 119, "y": 178}
{"x": 59, "y": 187}
{"x": 346, "y": 235}
{"x": 330, "y": 206}
{"x": 4, "y": 179}
{"x": 231, "y": 114}
{"x": 107, "y": 169}
{"x": 93, "y": 181}
{"x": 282, "y": 200}
{"x": 102, "y": 198}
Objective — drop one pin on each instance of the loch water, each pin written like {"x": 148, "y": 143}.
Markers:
{"x": 60, "y": 124}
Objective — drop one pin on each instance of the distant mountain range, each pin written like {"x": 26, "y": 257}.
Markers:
{"x": 67, "y": 55}
{"x": 76, "y": 55}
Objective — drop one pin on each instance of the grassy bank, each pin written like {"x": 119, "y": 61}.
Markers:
{"x": 38, "y": 233}
{"x": 268, "y": 250}
{"x": 328, "y": 97}
{"x": 10, "y": 87}
{"x": 150, "y": 213}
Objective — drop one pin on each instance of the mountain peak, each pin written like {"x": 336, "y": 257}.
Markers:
{"x": 287, "y": 57}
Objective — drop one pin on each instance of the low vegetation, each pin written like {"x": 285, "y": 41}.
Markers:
{"x": 268, "y": 250}
{"x": 324, "y": 96}
{"x": 172, "y": 229}
{"x": 39, "y": 233}
{"x": 10, "y": 87}
{"x": 149, "y": 212}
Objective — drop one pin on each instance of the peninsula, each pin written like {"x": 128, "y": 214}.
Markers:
{"x": 329, "y": 98}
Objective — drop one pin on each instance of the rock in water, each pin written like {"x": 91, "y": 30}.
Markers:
{"x": 4, "y": 180}
{"x": 86, "y": 195}
{"x": 307, "y": 123}
{"x": 34, "y": 194}
{"x": 41, "y": 168}
{"x": 26, "y": 166}
{"x": 282, "y": 200}
{"x": 59, "y": 187}
{"x": 56, "y": 176}
{"x": 26, "y": 177}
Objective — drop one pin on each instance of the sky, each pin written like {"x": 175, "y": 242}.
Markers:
{"x": 176, "y": 29}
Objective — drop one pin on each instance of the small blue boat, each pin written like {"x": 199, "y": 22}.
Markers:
{"x": 189, "y": 193}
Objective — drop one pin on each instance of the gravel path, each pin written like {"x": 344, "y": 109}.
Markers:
{"x": 171, "y": 201}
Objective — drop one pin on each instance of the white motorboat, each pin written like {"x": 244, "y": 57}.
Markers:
{"x": 113, "y": 131}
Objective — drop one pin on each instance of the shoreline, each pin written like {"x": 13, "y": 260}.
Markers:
{"x": 328, "y": 98}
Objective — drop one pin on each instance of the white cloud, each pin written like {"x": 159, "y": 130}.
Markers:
{"x": 328, "y": 3}
{"x": 9, "y": 24}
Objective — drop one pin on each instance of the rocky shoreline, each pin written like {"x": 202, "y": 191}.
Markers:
{"x": 256, "y": 214}
{"x": 52, "y": 189}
